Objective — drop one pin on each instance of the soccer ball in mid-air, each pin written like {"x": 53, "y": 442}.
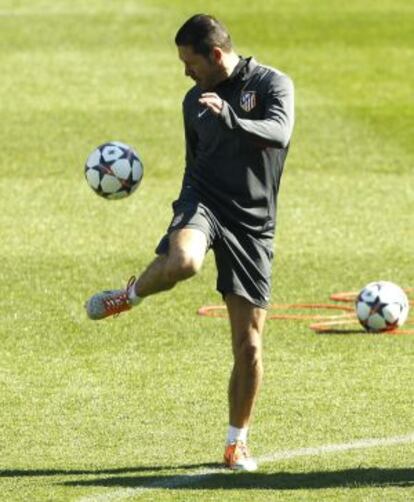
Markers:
{"x": 381, "y": 306}
{"x": 114, "y": 170}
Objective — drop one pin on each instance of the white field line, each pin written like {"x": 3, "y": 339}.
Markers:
{"x": 192, "y": 478}
{"x": 332, "y": 448}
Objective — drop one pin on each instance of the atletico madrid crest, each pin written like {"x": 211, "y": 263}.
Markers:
{"x": 248, "y": 100}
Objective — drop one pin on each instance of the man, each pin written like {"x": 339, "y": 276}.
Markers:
{"x": 238, "y": 120}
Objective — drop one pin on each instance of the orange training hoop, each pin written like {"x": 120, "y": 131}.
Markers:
{"x": 326, "y": 324}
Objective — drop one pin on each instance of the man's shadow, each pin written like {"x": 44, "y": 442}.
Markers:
{"x": 347, "y": 478}
{"x": 213, "y": 478}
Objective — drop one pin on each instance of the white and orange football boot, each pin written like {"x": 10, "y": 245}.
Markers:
{"x": 110, "y": 303}
{"x": 237, "y": 457}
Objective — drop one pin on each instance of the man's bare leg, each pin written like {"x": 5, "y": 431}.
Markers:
{"x": 187, "y": 249}
{"x": 247, "y": 322}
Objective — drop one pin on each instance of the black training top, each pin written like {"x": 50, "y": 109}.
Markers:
{"x": 234, "y": 160}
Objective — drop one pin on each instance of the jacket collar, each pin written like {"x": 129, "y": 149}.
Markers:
{"x": 247, "y": 68}
{"x": 242, "y": 71}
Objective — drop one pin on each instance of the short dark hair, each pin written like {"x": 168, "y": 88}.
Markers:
{"x": 203, "y": 32}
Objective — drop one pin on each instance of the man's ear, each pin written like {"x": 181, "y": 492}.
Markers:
{"x": 216, "y": 55}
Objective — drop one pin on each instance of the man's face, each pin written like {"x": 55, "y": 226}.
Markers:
{"x": 203, "y": 70}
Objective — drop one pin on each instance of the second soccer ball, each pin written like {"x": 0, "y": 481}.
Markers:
{"x": 381, "y": 306}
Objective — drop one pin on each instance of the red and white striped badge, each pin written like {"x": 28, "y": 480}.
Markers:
{"x": 248, "y": 100}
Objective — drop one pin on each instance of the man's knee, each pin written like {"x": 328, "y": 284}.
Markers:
{"x": 182, "y": 265}
{"x": 249, "y": 354}
{"x": 187, "y": 251}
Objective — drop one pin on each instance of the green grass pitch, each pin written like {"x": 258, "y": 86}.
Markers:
{"x": 128, "y": 408}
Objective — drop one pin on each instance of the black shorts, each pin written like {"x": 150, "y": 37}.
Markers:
{"x": 244, "y": 262}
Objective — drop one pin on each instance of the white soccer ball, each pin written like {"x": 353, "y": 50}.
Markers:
{"x": 381, "y": 306}
{"x": 114, "y": 170}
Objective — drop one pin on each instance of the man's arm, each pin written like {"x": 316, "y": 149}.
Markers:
{"x": 275, "y": 129}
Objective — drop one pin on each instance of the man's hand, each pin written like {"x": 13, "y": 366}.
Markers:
{"x": 212, "y": 101}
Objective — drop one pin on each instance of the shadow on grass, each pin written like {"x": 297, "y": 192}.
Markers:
{"x": 21, "y": 473}
{"x": 349, "y": 478}
{"x": 336, "y": 331}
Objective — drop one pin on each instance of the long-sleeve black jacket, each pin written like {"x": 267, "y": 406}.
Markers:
{"x": 234, "y": 161}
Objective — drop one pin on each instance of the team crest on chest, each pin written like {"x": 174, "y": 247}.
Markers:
{"x": 248, "y": 100}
